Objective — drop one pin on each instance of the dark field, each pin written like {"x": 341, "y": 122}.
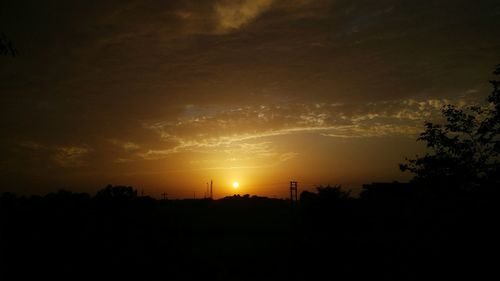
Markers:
{"x": 395, "y": 233}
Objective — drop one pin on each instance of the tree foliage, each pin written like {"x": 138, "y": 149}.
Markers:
{"x": 464, "y": 151}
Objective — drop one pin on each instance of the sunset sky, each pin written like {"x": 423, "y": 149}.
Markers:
{"x": 166, "y": 95}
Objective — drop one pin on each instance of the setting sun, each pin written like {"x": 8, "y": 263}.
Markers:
{"x": 235, "y": 184}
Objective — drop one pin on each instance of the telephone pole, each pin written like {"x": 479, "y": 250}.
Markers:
{"x": 293, "y": 192}
{"x": 211, "y": 186}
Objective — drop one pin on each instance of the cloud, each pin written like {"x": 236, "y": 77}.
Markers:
{"x": 232, "y": 15}
{"x": 61, "y": 155}
{"x": 31, "y": 145}
{"x": 70, "y": 156}
{"x": 127, "y": 146}
{"x": 208, "y": 126}
{"x": 249, "y": 131}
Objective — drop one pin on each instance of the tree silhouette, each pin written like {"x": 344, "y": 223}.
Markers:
{"x": 465, "y": 150}
{"x": 6, "y": 47}
{"x": 111, "y": 192}
{"x": 327, "y": 201}
{"x": 327, "y": 194}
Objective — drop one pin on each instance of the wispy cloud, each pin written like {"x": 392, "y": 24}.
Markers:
{"x": 31, "y": 145}
{"x": 219, "y": 17}
{"x": 127, "y": 146}
{"x": 70, "y": 156}
{"x": 65, "y": 156}
{"x": 248, "y": 130}
{"x": 232, "y": 15}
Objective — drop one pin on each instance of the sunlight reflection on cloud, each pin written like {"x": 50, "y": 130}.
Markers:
{"x": 237, "y": 130}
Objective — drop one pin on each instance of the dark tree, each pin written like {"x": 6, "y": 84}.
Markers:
{"x": 464, "y": 151}
{"x": 111, "y": 192}
{"x": 327, "y": 193}
{"x": 6, "y": 47}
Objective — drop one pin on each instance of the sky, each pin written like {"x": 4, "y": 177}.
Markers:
{"x": 166, "y": 95}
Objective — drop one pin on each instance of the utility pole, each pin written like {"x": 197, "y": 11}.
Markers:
{"x": 211, "y": 186}
{"x": 293, "y": 192}
{"x": 164, "y": 195}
